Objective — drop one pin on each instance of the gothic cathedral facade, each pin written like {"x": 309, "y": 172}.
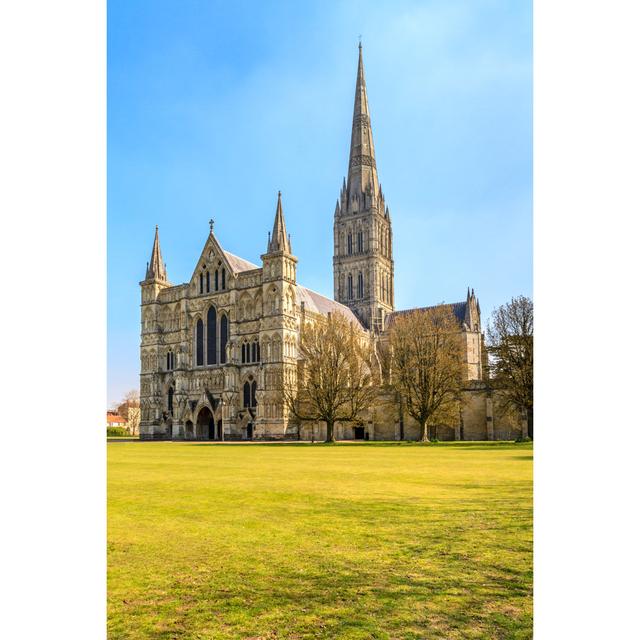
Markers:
{"x": 217, "y": 351}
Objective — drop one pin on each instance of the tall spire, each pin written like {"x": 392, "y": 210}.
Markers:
{"x": 363, "y": 262}
{"x": 362, "y": 157}
{"x": 279, "y": 241}
{"x": 156, "y": 269}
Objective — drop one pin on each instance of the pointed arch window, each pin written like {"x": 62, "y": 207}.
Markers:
{"x": 224, "y": 337}
{"x": 253, "y": 352}
{"x": 199, "y": 343}
{"x": 201, "y": 283}
{"x": 350, "y": 287}
{"x": 215, "y": 280}
{"x": 246, "y": 395}
{"x": 258, "y": 352}
{"x": 211, "y": 336}
{"x": 208, "y": 282}
{"x": 360, "y": 242}
{"x": 170, "y": 400}
{"x": 244, "y": 352}
{"x": 349, "y": 244}
{"x": 360, "y": 286}
{"x": 170, "y": 361}
{"x": 254, "y": 386}
{"x": 224, "y": 278}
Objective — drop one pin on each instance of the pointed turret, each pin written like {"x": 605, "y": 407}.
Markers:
{"x": 362, "y": 161}
{"x": 156, "y": 269}
{"x": 279, "y": 240}
{"x": 472, "y": 311}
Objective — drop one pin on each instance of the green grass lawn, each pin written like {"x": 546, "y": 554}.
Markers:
{"x": 314, "y": 541}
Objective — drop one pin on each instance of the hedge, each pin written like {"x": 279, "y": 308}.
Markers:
{"x": 117, "y": 431}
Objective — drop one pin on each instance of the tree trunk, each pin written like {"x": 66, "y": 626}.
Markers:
{"x": 530, "y": 422}
{"x": 330, "y": 436}
{"x": 424, "y": 435}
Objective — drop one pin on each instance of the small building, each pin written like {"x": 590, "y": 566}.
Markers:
{"x": 115, "y": 420}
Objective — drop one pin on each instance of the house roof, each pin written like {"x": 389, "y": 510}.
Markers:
{"x": 459, "y": 311}
{"x": 115, "y": 417}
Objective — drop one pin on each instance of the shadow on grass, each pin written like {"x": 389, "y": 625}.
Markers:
{"x": 360, "y": 597}
{"x": 469, "y": 446}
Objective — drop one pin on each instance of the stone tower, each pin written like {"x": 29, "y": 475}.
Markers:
{"x": 363, "y": 256}
{"x": 278, "y": 328}
{"x": 155, "y": 282}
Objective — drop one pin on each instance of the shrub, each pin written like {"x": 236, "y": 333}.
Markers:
{"x": 521, "y": 439}
{"x": 113, "y": 432}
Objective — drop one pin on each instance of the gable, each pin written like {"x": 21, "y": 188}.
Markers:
{"x": 211, "y": 258}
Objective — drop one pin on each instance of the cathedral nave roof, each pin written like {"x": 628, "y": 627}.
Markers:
{"x": 239, "y": 264}
{"x": 317, "y": 303}
{"x": 459, "y": 311}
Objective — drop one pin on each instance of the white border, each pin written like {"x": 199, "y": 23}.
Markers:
{"x": 587, "y": 108}
{"x": 53, "y": 266}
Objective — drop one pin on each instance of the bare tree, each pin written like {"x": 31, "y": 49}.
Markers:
{"x": 129, "y": 409}
{"x": 510, "y": 347}
{"x": 427, "y": 365}
{"x": 334, "y": 376}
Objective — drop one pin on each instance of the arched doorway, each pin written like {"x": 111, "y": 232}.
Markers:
{"x": 205, "y": 425}
{"x": 358, "y": 432}
{"x": 188, "y": 433}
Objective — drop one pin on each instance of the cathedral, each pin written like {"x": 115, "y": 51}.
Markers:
{"x": 217, "y": 351}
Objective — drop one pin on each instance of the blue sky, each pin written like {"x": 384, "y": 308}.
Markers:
{"x": 215, "y": 106}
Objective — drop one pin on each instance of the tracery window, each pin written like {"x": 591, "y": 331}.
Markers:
{"x": 170, "y": 361}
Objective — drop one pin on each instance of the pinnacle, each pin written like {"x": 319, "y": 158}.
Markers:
{"x": 156, "y": 269}
{"x": 279, "y": 241}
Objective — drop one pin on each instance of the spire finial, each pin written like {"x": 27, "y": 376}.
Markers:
{"x": 211, "y": 225}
